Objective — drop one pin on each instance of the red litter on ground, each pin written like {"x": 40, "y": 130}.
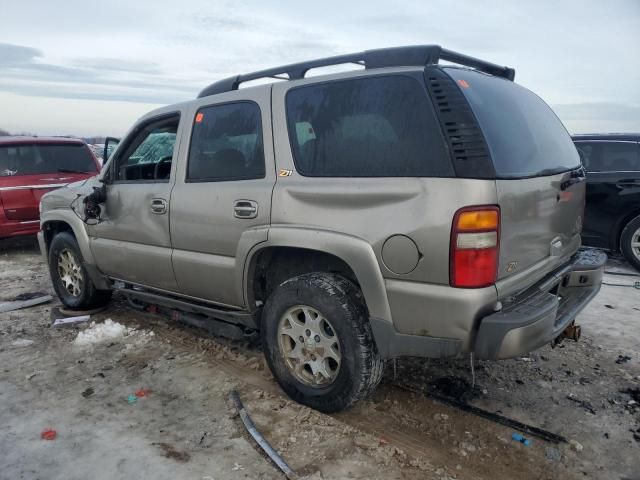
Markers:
{"x": 48, "y": 434}
{"x": 143, "y": 392}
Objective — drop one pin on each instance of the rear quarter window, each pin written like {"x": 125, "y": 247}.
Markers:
{"x": 525, "y": 137}
{"x": 366, "y": 127}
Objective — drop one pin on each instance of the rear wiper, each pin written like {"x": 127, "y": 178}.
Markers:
{"x": 68, "y": 170}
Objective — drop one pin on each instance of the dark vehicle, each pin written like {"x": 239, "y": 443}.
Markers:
{"x": 612, "y": 214}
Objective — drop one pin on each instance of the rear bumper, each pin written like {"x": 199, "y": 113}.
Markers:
{"x": 541, "y": 313}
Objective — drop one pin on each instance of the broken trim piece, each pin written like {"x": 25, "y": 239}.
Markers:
{"x": 495, "y": 417}
{"x": 257, "y": 436}
{"x": 17, "y": 305}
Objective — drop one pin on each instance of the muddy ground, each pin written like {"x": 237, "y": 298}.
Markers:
{"x": 184, "y": 428}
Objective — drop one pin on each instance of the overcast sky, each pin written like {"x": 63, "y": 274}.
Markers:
{"x": 85, "y": 68}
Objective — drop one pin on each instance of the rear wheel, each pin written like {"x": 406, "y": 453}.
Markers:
{"x": 318, "y": 342}
{"x": 69, "y": 276}
{"x": 630, "y": 242}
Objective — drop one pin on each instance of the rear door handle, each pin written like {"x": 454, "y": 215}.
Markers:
{"x": 159, "y": 206}
{"x": 245, "y": 209}
{"x": 628, "y": 183}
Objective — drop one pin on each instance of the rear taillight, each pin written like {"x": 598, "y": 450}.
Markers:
{"x": 475, "y": 239}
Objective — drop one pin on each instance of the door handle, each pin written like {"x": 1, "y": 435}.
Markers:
{"x": 628, "y": 183}
{"x": 245, "y": 209}
{"x": 159, "y": 206}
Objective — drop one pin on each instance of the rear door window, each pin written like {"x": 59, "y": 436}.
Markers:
{"x": 226, "y": 143}
{"x": 366, "y": 127}
{"x": 609, "y": 156}
{"x": 525, "y": 137}
{"x": 41, "y": 158}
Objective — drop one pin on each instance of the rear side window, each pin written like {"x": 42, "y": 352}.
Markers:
{"x": 609, "y": 156}
{"x": 524, "y": 136}
{"x": 226, "y": 143}
{"x": 368, "y": 127}
{"x": 40, "y": 158}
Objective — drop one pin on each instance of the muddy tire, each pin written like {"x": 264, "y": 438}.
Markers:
{"x": 69, "y": 276}
{"x": 318, "y": 342}
{"x": 630, "y": 242}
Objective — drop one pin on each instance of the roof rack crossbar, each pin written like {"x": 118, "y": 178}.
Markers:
{"x": 420, "y": 55}
{"x": 483, "y": 66}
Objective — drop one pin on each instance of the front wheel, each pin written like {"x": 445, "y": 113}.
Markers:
{"x": 318, "y": 342}
{"x": 69, "y": 276}
{"x": 630, "y": 242}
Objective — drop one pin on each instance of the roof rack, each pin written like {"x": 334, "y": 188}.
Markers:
{"x": 419, "y": 55}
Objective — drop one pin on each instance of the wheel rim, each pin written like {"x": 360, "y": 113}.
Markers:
{"x": 70, "y": 272}
{"x": 309, "y": 346}
{"x": 635, "y": 244}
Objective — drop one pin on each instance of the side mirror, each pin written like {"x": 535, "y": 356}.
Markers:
{"x": 110, "y": 144}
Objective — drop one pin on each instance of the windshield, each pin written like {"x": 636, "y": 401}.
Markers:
{"x": 40, "y": 158}
{"x": 524, "y": 136}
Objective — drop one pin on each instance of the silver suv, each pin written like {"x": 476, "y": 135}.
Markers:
{"x": 403, "y": 208}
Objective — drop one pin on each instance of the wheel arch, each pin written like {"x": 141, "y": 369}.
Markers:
{"x": 55, "y": 221}
{"x": 309, "y": 249}
{"x": 622, "y": 223}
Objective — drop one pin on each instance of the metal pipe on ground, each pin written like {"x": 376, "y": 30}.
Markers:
{"x": 257, "y": 436}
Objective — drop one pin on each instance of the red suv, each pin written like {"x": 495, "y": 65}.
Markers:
{"x": 31, "y": 167}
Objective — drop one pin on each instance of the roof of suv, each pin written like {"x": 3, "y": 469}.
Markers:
{"x": 614, "y": 137}
{"x": 408, "y": 56}
{"x": 13, "y": 140}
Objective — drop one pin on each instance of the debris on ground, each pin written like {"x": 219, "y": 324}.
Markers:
{"x": 88, "y": 392}
{"x": 583, "y": 403}
{"x": 577, "y": 446}
{"x": 142, "y": 392}
{"x": 257, "y": 436}
{"x": 48, "y": 434}
{"x": 32, "y": 374}
{"x": 17, "y": 304}
{"x": 552, "y": 454}
{"x": 71, "y": 320}
{"x": 131, "y": 399}
{"x": 100, "y": 332}
{"x": 623, "y": 359}
{"x": 519, "y": 438}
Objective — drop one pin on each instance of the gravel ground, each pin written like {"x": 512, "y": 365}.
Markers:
{"x": 183, "y": 426}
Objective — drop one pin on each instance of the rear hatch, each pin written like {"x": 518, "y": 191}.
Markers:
{"x": 539, "y": 180}
{"x": 29, "y": 170}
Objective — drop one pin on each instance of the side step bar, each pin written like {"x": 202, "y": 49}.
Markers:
{"x": 244, "y": 319}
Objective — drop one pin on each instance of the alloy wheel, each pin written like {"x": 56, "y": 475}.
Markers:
{"x": 70, "y": 272}
{"x": 309, "y": 345}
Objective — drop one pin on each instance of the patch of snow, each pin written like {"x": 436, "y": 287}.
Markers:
{"x": 21, "y": 342}
{"x": 100, "y": 332}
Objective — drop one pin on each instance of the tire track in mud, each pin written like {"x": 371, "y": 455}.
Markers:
{"x": 412, "y": 445}
{"x": 399, "y": 429}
